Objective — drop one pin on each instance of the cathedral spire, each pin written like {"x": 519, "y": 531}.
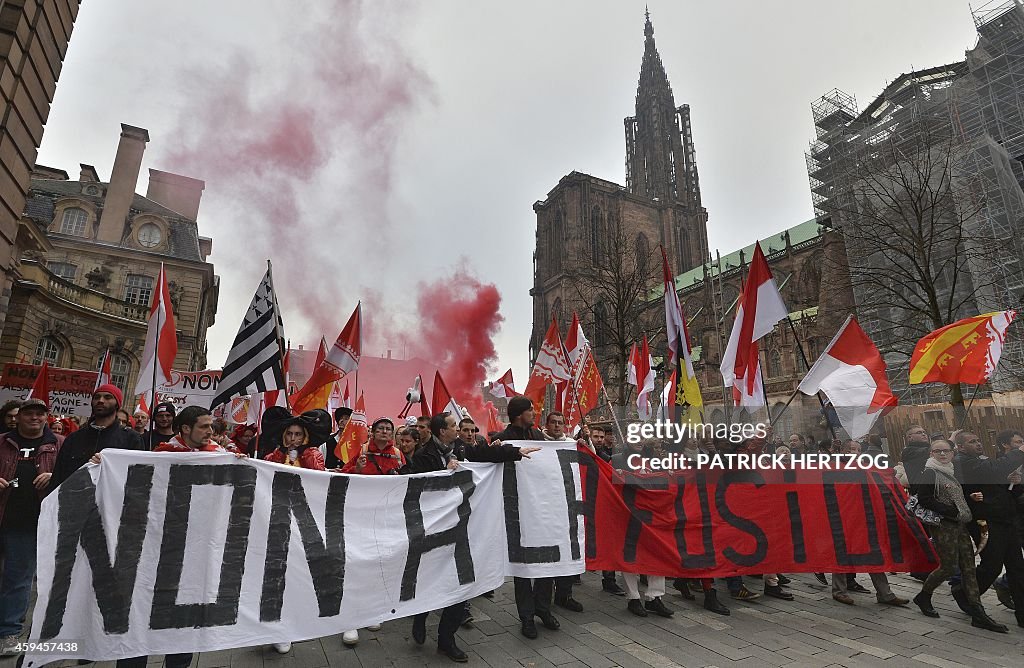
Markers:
{"x": 648, "y": 28}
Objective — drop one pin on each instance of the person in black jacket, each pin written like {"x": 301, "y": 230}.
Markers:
{"x": 938, "y": 489}
{"x": 994, "y": 478}
{"x": 533, "y": 596}
{"x": 438, "y": 454}
{"x": 915, "y": 452}
{"x": 100, "y": 432}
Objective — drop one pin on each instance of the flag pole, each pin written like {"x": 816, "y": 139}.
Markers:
{"x": 967, "y": 411}
{"x": 156, "y": 352}
{"x": 611, "y": 409}
{"x": 807, "y": 365}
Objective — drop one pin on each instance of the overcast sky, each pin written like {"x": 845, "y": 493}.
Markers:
{"x": 366, "y": 146}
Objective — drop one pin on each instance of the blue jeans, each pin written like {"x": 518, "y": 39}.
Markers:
{"x": 18, "y": 548}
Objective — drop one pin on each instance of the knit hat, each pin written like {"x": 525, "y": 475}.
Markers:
{"x": 517, "y": 406}
{"x": 112, "y": 389}
{"x": 381, "y": 420}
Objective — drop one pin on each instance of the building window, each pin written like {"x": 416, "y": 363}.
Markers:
{"x": 120, "y": 367}
{"x": 48, "y": 350}
{"x": 63, "y": 270}
{"x": 74, "y": 221}
{"x": 774, "y": 364}
{"x": 596, "y": 236}
{"x": 138, "y": 289}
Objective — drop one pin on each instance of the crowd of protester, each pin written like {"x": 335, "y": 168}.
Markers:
{"x": 975, "y": 500}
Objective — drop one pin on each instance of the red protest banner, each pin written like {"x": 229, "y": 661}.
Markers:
{"x": 17, "y": 376}
{"x": 715, "y": 523}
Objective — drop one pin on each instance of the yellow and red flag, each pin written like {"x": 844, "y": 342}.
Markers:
{"x": 965, "y": 352}
{"x": 341, "y": 360}
{"x": 351, "y": 441}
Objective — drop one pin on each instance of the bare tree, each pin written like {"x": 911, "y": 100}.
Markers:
{"x": 613, "y": 292}
{"x": 911, "y": 215}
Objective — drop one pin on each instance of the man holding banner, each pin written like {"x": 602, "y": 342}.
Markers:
{"x": 437, "y": 455}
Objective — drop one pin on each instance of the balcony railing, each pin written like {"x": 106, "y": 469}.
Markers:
{"x": 84, "y": 297}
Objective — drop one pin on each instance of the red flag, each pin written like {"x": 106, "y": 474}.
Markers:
{"x": 424, "y": 406}
{"x": 142, "y": 405}
{"x": 441, "y": 399}
{"x": 103, "y": 378}
{"x": 321, "y": 354}
{"x": 551, "y": 366}
{"x": 966, "y": 351}
{"x": 758, "y": 310}
{"x": 341, "y": 360}
{"x": 641, "y": 375}
{"x": 161, "y": 340}
{"x": 346, "y": 400}
{"x": 851, "y": 372}
{"x": 503, "y": 387}
{"x": 581, "y": 395}
{"x": 355, "y": 434}
{"x": 493, "y": 424}
{"x": 41, "y": 388}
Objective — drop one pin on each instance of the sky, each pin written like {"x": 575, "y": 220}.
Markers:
{"x": 373, "y": 150}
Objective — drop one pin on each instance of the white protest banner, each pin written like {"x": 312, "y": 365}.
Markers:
{"x": 189, "y": 388}
{"x": 154, "y": 553}
{"x": 70, "y": 389}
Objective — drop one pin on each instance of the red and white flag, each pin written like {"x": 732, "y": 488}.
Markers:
{"x": 581, "y": 393}
{"x": 142, "y": 405}
{"x": 641, "y": 376}
{"x": 350, "y": 443}
{"x": 341, "y": 360}
{"x": 41, "y": 387}
{"x": 851, "y": 373}
{"x": 503, "y": 388}
{"x": 493, "y": 423}
{"x": 759, "y": 309}
{"x": 161, "y": 340}
{"x": 441, "y": 399}
{"x": 551, "y": 366}
{"x": 103, "y": 377}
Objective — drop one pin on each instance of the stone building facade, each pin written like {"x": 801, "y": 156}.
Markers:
{"x": 91, "y": 290}
{"x": 34, "y": 36}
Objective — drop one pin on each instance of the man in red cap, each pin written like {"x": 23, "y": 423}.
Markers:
{"x": 101, "y": 431}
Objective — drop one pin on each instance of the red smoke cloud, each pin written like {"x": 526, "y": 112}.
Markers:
{"x": 297, "y": 145}
{"x": 458, "y": 316}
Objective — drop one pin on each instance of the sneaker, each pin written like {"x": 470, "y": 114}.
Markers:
{"x": 744, "y": 594}
{"x": 820, "y": 577}
{"x": 636, "y": 607}
{"x": 845, "y": 599}
{"x": 776, "y": 591}
{"x": 783, "y": 580}
{"x": 656, "y": 606}
{"x": 373, "y": 627}
{"x": 282, "y": 647}
{"x": 857, "y": 588}
{"x": 1003, "y": 594}
{"x": 893, "y": 600}
{"x": 612, "y": 588}
{"x": 9, "y": 645}
{"x": 350, "y": 638}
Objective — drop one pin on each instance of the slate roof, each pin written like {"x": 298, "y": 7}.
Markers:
{"x": 183, "y": 233}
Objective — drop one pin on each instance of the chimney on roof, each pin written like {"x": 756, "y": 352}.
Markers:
{"x": 180, "y": 194}
{"x": 123, "y": 177}
{"x": 88, "y": 174}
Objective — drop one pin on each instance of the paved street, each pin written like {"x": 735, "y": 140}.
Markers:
{"x": 814, "y": 630}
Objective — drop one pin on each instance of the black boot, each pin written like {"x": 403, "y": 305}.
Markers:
{"x": 981, "y": 620}
{"x": 924, "y": 601}
{"x": 961, "y": 599}
{"x": 683, "y": 587}
{"x": 656, "y": 606}
{"x": 712, "y": 604}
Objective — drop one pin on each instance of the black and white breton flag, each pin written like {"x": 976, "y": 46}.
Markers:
{"x": 255, "y": 361}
